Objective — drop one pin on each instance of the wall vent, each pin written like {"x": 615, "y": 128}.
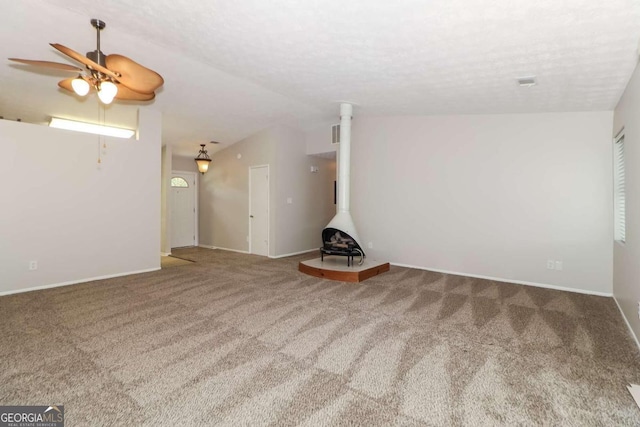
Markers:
{"x": 527, "y": 81}
{"x": 335, "y": 134}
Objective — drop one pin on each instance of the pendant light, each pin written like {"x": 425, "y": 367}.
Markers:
{"x": 203, "y": 160}
{"x": 80, "y": 86}
{"x": 107, "y": 91}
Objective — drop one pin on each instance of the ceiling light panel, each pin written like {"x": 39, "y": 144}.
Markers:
{"x": 90, "y": 128}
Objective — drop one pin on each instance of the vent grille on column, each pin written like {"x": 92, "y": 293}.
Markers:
{"x": 335, "y": 134}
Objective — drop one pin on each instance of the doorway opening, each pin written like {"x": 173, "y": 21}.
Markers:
{"x": 184, "y": 212}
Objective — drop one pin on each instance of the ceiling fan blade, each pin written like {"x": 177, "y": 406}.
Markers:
{"x": 49, "y": 64}
{"x": 133, "y": 75}
{"x": 126, "y": 94}
{"x": 83, "y": 59}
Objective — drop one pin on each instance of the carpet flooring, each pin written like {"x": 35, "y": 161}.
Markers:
{"x": 172, "y": 261}
{"x": 236, "y": 340}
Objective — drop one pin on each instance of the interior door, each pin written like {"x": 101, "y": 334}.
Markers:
{"x": 183, "y": 210}
{"x": 259, "y": 210}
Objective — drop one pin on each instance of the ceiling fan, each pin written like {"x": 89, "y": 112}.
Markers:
{"x": 111, "y": 76}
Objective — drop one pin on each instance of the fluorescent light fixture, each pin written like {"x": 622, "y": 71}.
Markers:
{"x": 90, "y": 128}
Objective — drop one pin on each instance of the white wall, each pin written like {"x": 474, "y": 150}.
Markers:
{"x": 318, "y": 140}
{"x": 293, "y": 227}
{"x": 493, "y": 195}
{"x": 165, "y": 200}
{"x": 626, "y": 272}
{"x": 299, "y": 224}
{"x": 77, "y": 221}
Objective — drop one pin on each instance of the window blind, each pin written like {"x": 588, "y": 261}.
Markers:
{"x": 619, "y": 189}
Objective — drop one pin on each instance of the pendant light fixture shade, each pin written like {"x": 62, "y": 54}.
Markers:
{"x": 80, "y": 86}
{"x": 107, "y": 92}
{"x": 203, "y": 160}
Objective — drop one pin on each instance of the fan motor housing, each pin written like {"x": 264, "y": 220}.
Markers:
{"x": 98, "y": 57}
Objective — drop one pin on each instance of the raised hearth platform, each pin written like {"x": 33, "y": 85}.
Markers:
{"x": 335, "y": 268}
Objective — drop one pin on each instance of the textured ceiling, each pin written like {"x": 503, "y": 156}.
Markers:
{"x": 234, "y": 67}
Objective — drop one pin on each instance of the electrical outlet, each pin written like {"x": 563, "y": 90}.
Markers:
{"x": 370, "y": 245}
{"x": 638, "y": 309}
{"x": 559, "y": 265}
{"x": 551, "y": 265}
{"x": 247, "y": 239}
{"x": 33, "y": 265}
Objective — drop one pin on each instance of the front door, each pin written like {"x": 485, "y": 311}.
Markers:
{"x": 183, "y": 209}
{"x": 259, "y": 210}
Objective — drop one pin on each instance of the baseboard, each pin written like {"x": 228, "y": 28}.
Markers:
{"x": 224, "y": 249}
{"x": 518, "y": 282}
{"x": 294, "y": 253}
{"x": 165, "y": 253}
{"x": 207, "y": 246}
{"x": 75, "y": 282}
{"x": 627, "y": 322}
{"x": 247, "y": 252}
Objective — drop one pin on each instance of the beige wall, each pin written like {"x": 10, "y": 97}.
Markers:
{"x": 185, "y": 164}
{"x": 626, "y": 272}
{"x": 77, "y": 221}
{"x": 293, "y": 227}
{"x": 494, "y": 195}
{"x": 224, "y": 192}
{"x": 299, "y": 224}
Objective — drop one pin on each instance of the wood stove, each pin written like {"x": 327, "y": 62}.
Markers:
{"x": 340, "y": 237}
{"x": 337, "y": 242}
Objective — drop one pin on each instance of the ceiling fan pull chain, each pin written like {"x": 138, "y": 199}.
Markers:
{"x": 99, "y": 138}
{"x": 104, "y": 123}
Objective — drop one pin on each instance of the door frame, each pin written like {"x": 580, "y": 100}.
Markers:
{"x": 268, "y": 208}
{"x": 196, "y": 196}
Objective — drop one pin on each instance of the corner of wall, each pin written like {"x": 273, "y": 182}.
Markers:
{"x": 626, "y": 274}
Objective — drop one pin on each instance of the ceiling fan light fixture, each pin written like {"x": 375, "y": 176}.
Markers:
{"x": 80, "y": 86}
{"x": 203, "y": 160}
{"x": 104, "y": 98}
{"x": 107, "y": 91}
{"x": 106, "y": 73}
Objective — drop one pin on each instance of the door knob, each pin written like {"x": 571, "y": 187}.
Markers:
{"x": 250, "y": 216}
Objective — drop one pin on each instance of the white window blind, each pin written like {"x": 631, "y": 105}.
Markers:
{"x": 619, "y": 189}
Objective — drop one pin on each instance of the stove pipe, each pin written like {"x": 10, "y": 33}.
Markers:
{"x": 343, "y": 221}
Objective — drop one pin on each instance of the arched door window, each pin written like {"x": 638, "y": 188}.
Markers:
{"x": 178, "y": 181}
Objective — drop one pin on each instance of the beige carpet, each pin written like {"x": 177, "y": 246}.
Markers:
{"x": 242, "y": 340}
